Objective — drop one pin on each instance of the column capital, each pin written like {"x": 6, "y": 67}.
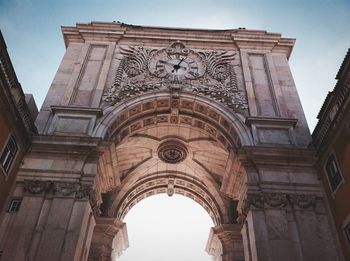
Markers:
{"x": 109, "y": 239}
{"x": 108, "y": 226}
{"x": 225, "y": 242}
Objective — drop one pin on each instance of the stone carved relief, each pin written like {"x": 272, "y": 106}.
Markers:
{"x": 76, "y": 190}
{"x": 130, "y": 78}
{"x": 209, "y": 73}
{"x": 220, "y": 83}
{"x": 275, "y": 200}
{"x": 303, "y": 201}
{"x": 95, "y": 203}
{"x": 37, "y": 187}
{"x": 172, "y": 152}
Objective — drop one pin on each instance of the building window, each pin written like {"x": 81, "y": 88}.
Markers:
{"x": 347, "y": 232}
{"x": 8, "y": 154}
{"x": 14, "y": 206}
{"x": 333, "y": 173}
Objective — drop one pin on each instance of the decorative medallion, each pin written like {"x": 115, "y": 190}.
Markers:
{"x": 172, "y": 151}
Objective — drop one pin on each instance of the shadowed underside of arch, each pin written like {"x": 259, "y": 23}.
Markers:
{"x": 172, "y": 183}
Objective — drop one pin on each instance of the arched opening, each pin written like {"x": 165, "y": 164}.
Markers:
{"x": 167, "y": 228}
{"x": 184, "y": 146}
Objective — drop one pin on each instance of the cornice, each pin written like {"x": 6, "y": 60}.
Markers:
{"x": 334, "y": 108}
{"x": 116, "y": 31}
{"x": 278, "y": 156}
{"x": 68, "y": 145}
{"x": 13, "y": 93}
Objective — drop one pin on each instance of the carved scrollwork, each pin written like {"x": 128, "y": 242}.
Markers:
{"x": 218, "y": 64}
{"x": 130, "y": 77}
{"x": 220, "y": 82}
{"x": 177, "y": 48}
{"x": 136, "y": 58}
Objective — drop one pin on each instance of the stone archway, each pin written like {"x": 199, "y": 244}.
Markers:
{"x": 165, "y": 145}
{"x": 227, "y": 97}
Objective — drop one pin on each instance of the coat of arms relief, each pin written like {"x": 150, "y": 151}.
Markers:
{"x": 209, "y": 73}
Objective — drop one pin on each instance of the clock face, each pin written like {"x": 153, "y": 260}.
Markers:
{"x": 176, "y": 66}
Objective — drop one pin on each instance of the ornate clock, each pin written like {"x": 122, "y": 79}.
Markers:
{"x": 176, "y": 62}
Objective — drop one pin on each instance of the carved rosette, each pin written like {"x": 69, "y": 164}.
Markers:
{"x": 217, "y": 79}
{"x": 276, "y": 200}
{"x": 172, "y": 152}
{"x": 63, "y": 189}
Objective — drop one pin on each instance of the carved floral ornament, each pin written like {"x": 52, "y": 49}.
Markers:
{"x": 209, "y": 73}
{"x": 276, "y": 200}
{"x": 56, "y": 188}
{"x": 172, "y": 151}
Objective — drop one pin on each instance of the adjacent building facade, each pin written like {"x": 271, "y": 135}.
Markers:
{"x": 331, "y": 139}
{"x": 212, "y": 115}
{"x": 17, "y": 114}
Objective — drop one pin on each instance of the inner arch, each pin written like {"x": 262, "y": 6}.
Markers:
{"x": 130, "y": 116}
{"x": 172, "y": 184}
{"x": 179, "y": 229}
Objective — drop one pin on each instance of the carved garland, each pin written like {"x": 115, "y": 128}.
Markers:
{"x": 77, "y": 190}
{"x": 276, "y": 200}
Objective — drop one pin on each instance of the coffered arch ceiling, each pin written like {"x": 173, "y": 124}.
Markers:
{"x": 157, "y": 108}
{"x": 209, "y": 133}
{"x": 172, "y": 159}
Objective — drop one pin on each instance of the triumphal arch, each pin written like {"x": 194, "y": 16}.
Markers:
{"x": 134, "y": 111}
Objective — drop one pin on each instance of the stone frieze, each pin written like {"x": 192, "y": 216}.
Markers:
{"x": 65, "y": 189}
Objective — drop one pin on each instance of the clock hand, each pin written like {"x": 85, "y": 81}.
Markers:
{"x": 183, "y": 59}
{"x": 177, "y": 66}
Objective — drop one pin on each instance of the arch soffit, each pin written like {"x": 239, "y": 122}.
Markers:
{"x": 171, "y": 183}
{"x": 151, "y": 109}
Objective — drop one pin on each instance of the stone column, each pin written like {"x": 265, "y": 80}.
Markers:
{"x": 281, "y": 226}
{"x": 225, "y": 243}
{"x": 109, "y": 239}
{"x": 54, "y": 222}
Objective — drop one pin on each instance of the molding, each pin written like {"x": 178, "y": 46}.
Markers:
{"x": 12, "y": 94}
{"x": 334, "y": 109}
{"x": 68, "y": 145}
{"x": 278, "y": 155}
{"x": 116, "y": 31}
{"x": 271, "y": 121}
{"x": 272, "y": 131}
{"x": 76, "y": 110}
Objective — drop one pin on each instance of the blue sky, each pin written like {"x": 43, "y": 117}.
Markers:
{"x": 32, "y": 32}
